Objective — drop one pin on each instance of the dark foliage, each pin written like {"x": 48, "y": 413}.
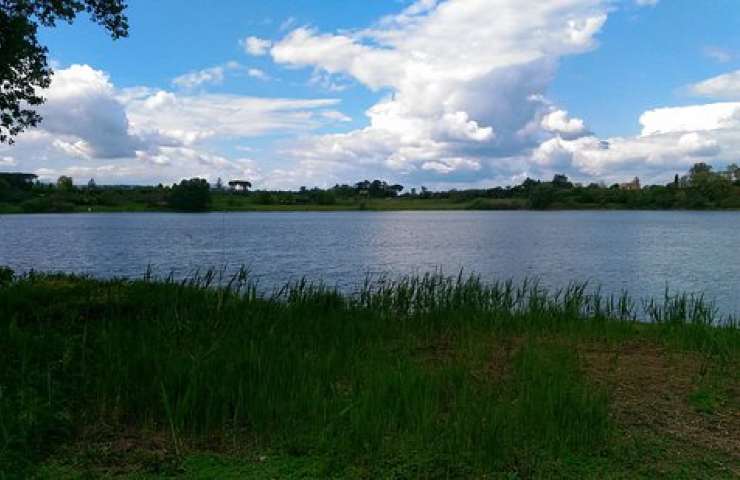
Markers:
{"x": 192, "y": 195}
{"x": 700, "y": 188}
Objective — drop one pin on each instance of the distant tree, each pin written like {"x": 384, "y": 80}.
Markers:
{"x": 21, "y": 181}
{"x": 65, "y": 183}
{"x": 24, "y": 68}
{"x": 240, "y": 185}
{"x": 529, "y": 184}
{"x": 326, "y": 197}
{"x": 219, "y": 184}
{"x": 5, "y": 190}
{"x": 700, "y": 169}
{"x": 733, "y": 172}
{"x": 91, "y": 185}
{"x": 561, "y": 181}
{"x": 192, "y": 195}
{"x": 541, "y": 196}
{"x": 710, "y": 185}
{"x": 264, "y": 198}
{"x": 6, "y": 276}
{"x": 676, "y": 181}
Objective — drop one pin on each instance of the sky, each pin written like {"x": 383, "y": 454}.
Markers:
{"x": 440, "y": 93}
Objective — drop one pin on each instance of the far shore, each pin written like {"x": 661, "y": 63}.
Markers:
{"x": 380, "y": 206}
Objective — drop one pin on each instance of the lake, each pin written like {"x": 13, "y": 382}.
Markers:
{"x": 641, "y": 252}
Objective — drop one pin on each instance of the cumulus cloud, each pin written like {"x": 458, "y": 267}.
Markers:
{"x": 256, "y": 46}
{"x": 656, "y": 156}
{"x": 466, "y": 81}
{"x": 88, "y": 120}
{"x": 725, "y": 86}
{"x": 558, "y": 121}
{"x": 713, "y": 116}
{"x": 92, "y": 128}
{"x": 461, "y": 99}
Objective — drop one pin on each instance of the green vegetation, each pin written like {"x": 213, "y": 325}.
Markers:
{"x": 424, "y": 377}
{"x": 700, "y": 188}
{"x": 190, "y": 196}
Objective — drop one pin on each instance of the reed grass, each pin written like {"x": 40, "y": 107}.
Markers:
{"x": 397, "y": 376}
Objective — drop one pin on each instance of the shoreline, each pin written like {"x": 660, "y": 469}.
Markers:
{"x": 319, "y": 209}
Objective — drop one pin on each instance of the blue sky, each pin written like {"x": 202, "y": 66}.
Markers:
{"x": 448, "y": 93}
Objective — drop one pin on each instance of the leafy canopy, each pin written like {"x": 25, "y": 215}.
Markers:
{"x": 24, "y": 68}
{"x": 192, "y": 195}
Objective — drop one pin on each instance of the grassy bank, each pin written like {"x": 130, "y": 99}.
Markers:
{"x": 420, "y": 378}
{"x": 237, "y": 203}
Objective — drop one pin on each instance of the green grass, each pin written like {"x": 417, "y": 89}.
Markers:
{"x": 238, "y": 203}
{"x": 424, "y": 377}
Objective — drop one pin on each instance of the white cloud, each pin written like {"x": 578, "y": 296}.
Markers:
{"x": 695, "y": 144}
{"x": 466, "y": 80}
{"x": 335, "y": 115}
{"x": 655, "y": 156}
{"x": 461, "y": 100}
{"x": 558, "y": 121}
{"x": 188, "y": 119}
{"x": 449, "y": 165}
{"x": 712, "y": 116}
{"x": 216, "y": 75}
{"x": 725, "y": 86}
{"x": 151, "y": 135}
{"x": 258, "y": 74}
{"x": 256, "y": 46}
{"x": 647, "y": 3}
{"x": 213, "y": 75}
{"x": 81, "y": 105}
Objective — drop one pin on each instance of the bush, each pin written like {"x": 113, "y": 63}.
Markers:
{"x": 6, "y": 276}
{"x": 264, "y": 198}
{"x": 192, "y": 195}
{"x": 541, "y": 197}
{"x": 326, "y": 198}
{"x": 47, "y": 205}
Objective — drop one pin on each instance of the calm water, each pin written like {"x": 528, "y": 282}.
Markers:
{"x": 641, "y": 252}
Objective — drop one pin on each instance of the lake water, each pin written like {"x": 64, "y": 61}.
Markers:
{"x": 641, "y": 252}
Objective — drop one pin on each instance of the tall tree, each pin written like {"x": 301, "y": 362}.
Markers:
{"x": 192, "y": 195}
{"x": 24, "y": 68}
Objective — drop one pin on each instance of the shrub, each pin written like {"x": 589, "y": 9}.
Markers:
{"x": 192, "y": 195}
{"x": 6, "y": 276}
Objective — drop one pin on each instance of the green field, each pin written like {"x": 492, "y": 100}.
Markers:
{"x": 235, "y": 203}
{"x": 425, "y": 377}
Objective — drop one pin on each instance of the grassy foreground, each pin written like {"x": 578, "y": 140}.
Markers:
{"x": 424, "y": 377}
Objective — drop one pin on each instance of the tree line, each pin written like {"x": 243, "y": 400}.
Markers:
{"x": 700, "y": 188}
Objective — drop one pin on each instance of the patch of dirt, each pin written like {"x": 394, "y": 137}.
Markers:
{"x": 436, "y": 351}
{"x": 650, "y": 390}
{"x": 500, "y": 362}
